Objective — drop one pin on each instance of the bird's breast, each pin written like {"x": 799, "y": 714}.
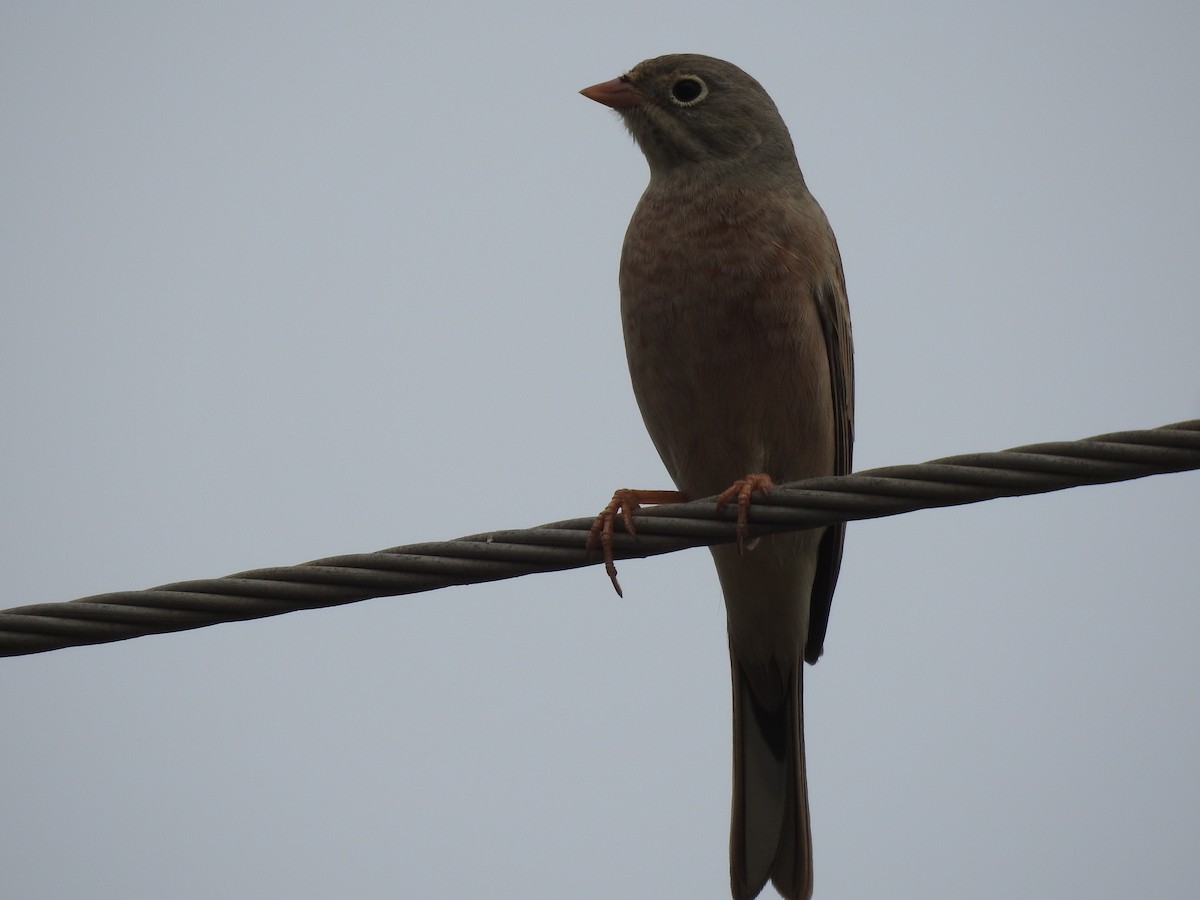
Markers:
{"x": 721, "y": 330}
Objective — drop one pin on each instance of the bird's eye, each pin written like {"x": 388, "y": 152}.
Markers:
{"x": 688, "y": 90}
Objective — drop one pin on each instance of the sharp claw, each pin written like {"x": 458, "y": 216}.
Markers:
{"x": 602, "y": 528}
{"x": 624, "y": 503}
{"x": 743, "y": 489}
{"x": 612, "y": 576}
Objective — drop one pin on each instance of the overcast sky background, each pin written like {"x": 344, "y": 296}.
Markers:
{"x": 289, "y": 280}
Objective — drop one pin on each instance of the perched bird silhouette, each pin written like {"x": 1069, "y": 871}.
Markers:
{"x": 737, "y": 331}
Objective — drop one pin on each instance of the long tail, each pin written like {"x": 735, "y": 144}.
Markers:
{"x": 769, "y": 836}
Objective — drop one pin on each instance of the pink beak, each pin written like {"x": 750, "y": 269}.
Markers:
{"x": 618, "y": 93}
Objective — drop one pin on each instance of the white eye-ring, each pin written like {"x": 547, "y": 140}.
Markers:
{"x": 688, "y": 90}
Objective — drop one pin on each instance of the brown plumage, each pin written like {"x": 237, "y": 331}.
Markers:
{"x": 737, "y": 331}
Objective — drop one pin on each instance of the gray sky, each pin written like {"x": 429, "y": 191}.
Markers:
{"x": 304, "y": 279}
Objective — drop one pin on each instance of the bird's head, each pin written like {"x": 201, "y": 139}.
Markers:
{"x": 687, "y": 111}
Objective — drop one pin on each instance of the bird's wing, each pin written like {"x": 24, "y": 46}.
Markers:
{"x": 834, "y": 310}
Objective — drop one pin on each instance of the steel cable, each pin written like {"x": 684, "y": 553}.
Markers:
{"x": 889, "y": 491}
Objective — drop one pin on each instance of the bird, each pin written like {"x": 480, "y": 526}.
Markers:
{"x": 737, "y": 333}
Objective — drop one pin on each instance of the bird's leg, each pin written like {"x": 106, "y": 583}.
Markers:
{"x": 742, "y": 489}
{"x": 624, "y": 503}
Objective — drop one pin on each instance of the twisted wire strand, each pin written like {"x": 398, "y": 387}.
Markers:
{"x": 889, "y": 491}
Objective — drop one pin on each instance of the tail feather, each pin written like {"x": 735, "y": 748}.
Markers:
{"x": 769, "y": 834}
